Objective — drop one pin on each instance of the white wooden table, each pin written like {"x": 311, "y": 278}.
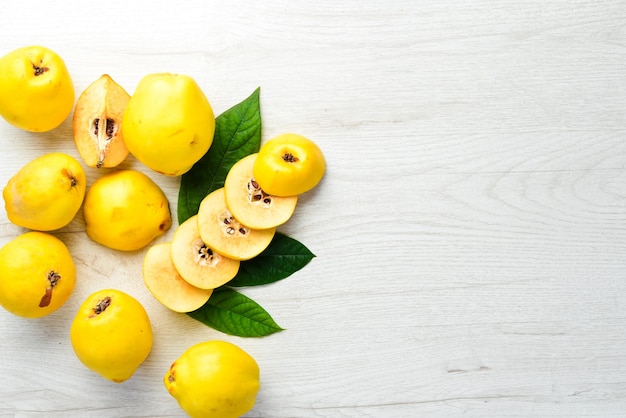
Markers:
{"x": 470, "y": 231}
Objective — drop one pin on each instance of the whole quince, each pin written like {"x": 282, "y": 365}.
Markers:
{"x": 214, "y": 379}
{"x": 111, "y": 334}
{"x": 126, "y": 210}
{"x": 37, "y": 274}
{"x": 168, "y": 123}
{"x": 46, "y": 193}
{"x": 36, "y": 89}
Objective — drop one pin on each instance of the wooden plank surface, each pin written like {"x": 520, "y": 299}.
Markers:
{"x": 470, "y": 231}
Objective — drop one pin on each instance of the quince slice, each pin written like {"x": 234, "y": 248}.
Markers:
{"x": 165, "y": 283}
{"x": 249, "y": 203}
{"x": 198, "y": 263}
{"x": 221, "y": 231}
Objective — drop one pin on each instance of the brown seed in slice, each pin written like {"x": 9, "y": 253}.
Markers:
{"x": 221, "y": 231}
{"x": 249, "y": 203}
{"x": 196, "y": 262}
{"x": 166, "y": 285}
{"x": 97, "y": 123}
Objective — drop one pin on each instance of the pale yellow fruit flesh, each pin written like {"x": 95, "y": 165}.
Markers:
{"x": 225, "y": 234}
{"x": 196, "y": 262}
{"x": 166, "y": 285}
{"x": 249, "y": 203}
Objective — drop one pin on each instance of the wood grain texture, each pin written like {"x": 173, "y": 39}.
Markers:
{"x": 470, "y": 231}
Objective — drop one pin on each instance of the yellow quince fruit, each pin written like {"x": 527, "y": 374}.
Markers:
{"x": 37, "y": 274}
{"x": 168, "y": 123}
{"x": 126, "y": 210}
{"x": 46, "y": 193}
{"x": 36, "y": 89}
{"x": 111, "y": 334}
{"x": 289, "y": 165}
{"x": 214, "y": 379}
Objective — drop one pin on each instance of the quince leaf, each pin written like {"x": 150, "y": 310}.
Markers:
{"x": 283, "y": 257}
{"x": 237, "y": 134}
{"x": 233, "y": 313}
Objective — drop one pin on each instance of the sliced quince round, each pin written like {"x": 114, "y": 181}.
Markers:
{"x": 166, "y": 285}
{"x": 198, "y": 263}
{"x": 222, "y": 232}
{"x": 249, "y": 203}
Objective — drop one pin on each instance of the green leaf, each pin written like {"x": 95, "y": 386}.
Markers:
{"x": 233, "y": 313}
{"x": 283, "y": 257}
{"x": 237, "y": 134}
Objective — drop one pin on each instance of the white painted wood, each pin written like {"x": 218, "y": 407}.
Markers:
{"x": 470, "y": 231}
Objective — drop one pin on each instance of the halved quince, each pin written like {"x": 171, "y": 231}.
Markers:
{"x": 97, "y": 123}
{"x": 196, "y": 262}
{"x": 165, "y": 283}
{"x": 222, "y": 232}
{"x": 251, "y": 205}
